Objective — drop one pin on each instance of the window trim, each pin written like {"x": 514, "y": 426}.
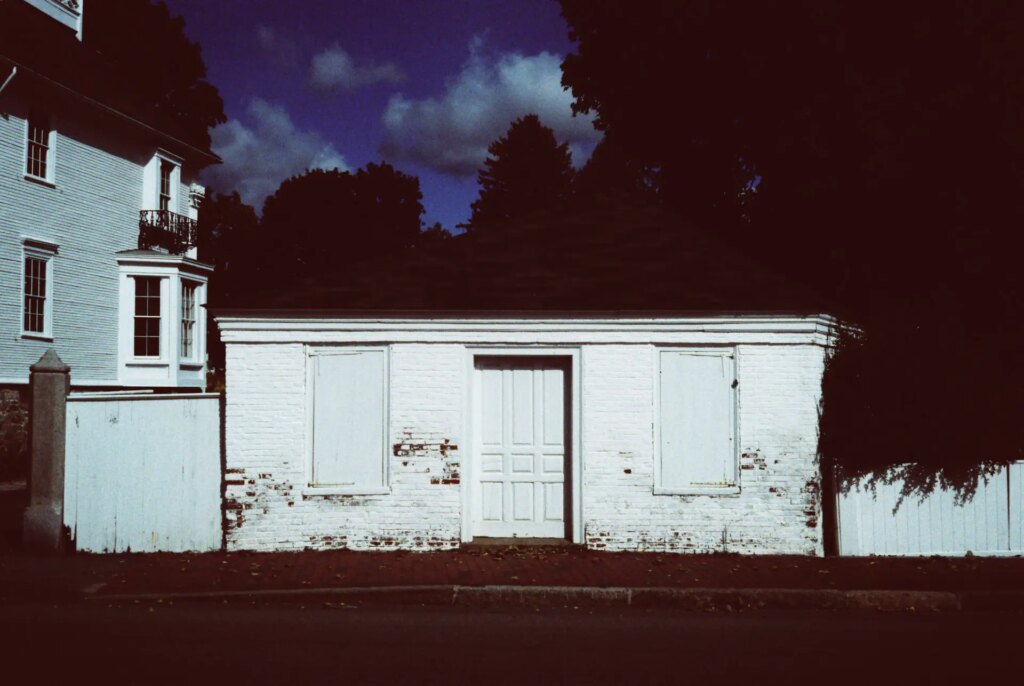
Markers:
{"x": 156, "y": 360}
{"x": 733, "y": 489}
{"x": 152, "y": 184}
{"x": 51, "y": 149}
{"x": 193, "y": 357}
{"x": 45, "y": 251}
{"x": 308, "y": 488}
{"x": 169, "y": 195}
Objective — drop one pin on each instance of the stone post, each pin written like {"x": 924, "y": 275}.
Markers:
{"x": 43, "y": 525}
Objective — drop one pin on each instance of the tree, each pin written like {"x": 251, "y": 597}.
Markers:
{"x": 526, "y": 170}
{"x": 433, "y": 235}
{"x": 228, "y": 241}
{"x": 875, "y": 155}
{"x": 612, "y": 172}
{"x": 154, "y": 63}
{"x": 320, "y": 223}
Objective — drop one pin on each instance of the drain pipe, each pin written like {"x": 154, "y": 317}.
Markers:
{"x": 14, "y": 70}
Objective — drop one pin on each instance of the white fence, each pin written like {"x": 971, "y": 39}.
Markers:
{"x": 991, "y": 523}
{"x": 143, "y": 472}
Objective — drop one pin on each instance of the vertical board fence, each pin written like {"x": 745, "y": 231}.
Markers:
{"x": 991, "y": 523}
{"x": 143, "y": 472}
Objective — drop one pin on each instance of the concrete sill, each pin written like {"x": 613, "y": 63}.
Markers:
{"x": 314, "y": 491}
{"x": 708, "y": 490}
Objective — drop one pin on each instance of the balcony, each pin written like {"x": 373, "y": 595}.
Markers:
{"x": 168, "y": 230}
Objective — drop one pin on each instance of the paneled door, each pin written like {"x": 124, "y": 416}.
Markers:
{"x": 520, "y": 455}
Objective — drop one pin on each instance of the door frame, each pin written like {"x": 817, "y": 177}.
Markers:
{"x": 573, "y": 407}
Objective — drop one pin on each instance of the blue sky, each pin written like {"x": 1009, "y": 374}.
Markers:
{"x": 423, "y": 85}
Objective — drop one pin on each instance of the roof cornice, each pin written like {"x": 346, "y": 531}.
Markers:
{"x": 208, "y": 156}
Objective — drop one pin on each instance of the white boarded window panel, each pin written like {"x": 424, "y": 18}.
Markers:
{"x": 348, "y": 419}
{"x": 697, "y": 420}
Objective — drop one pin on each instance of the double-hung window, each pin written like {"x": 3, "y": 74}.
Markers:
{"x": 147, "y": 316}
{"x": 348, "y": 417}
{"x": 39, "y": 149}
{"x": 696, "y": 423}
{"x": 188, "y": 319}
{"x": 166, "y": 176}
{"x": 37, "y": 293}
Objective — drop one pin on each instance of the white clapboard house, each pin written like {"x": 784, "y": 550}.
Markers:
{"x": 98, "y": 209}
{"x": 611, "y": 378}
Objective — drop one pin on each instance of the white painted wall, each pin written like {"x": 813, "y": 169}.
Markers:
{"x": 779, "y": 365}
{"x": 90, "y": 212}
{"x": 990, "y": 523}
{"x": 143, "y": 473}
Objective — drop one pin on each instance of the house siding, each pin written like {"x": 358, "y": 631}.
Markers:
{"x": 776, "y": 511}
{"x": 91, "y": 213}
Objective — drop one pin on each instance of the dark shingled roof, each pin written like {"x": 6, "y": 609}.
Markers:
{"x": 608, "y": 258}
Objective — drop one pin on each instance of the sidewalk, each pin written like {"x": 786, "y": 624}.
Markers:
{"x": 522, "y": 575}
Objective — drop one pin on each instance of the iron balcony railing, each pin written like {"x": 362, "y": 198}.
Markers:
{"x": 171, "y": 231}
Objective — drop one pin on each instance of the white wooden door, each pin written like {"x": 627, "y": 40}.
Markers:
{"x": 520, "y": 455}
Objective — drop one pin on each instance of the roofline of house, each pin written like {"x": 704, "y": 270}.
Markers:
{"x": 513, "y": 320}
{"x": 144, "y": 257}
{"x": 209, "y": 156}
{"x": 338, "y": 314}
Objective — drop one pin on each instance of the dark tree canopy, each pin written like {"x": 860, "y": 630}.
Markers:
{"x": 229, "y": 241}
{"x": 155, "y": 62}
{"x": 874, "y": 151}
{"x": 432, "y": 235}
{"x": 526, "y": 170}
{"x": 612, "y": 172}
{"x": 321, "y": 222}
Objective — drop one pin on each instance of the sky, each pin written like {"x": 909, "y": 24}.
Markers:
{"x": 424, "y": 85}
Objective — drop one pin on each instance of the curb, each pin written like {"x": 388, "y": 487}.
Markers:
{"x": 700, "y": 599}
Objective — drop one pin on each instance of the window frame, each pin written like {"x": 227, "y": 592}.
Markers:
{"x": 36, "y": 250}
{"x": 309, "y": 488}
{"x": 51, "y": 148}
{"x": 732, "y": 489}
{"x": 152, "y": 185}
{"x": 162, "y": 344}
{"x": 194, "y": 285}
{"x": 169, "y": 196}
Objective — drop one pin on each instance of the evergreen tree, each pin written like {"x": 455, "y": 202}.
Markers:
{"x": 526, "y": 170}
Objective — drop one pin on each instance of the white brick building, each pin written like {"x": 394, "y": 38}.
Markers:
{"x": 621, "y": 432}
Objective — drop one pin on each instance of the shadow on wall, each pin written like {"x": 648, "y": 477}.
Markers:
{"x": 14, "y": 460}
{"x": 14, "y": 464}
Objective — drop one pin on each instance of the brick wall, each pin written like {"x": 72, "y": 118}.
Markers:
{"x": 266, "y": 506}
{"x": 777, "y": 510}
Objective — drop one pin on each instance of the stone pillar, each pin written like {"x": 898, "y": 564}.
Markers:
{"x": 43, "y": 526}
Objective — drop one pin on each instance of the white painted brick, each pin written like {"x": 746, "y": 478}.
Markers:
{"x": 777, "y": 510}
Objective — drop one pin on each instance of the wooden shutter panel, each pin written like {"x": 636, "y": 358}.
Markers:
{"x": 697, "y": 420}
{"x": 349, "y": 419}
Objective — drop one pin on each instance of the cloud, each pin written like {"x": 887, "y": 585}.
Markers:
{"x": 333, "y": 70}
{"x": 258, "y": 157}
{"x": 281, "y": 48}
{"x": 451, "y": 133}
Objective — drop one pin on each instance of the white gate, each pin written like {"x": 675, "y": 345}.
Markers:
{"x": 991, "y": 523}
{"x": 143, "y": 472}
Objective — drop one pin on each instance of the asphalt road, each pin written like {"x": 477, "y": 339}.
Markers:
{"x": 242, "y": 643}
